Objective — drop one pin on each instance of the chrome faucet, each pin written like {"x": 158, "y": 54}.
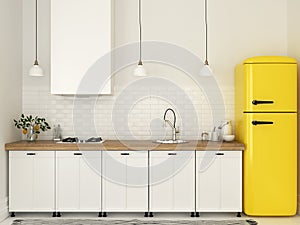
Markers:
{"x": 173, "y": 126}
{"x": 223, "y": 125}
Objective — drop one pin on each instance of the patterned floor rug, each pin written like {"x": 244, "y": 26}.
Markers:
{"x": 129, "y": 222}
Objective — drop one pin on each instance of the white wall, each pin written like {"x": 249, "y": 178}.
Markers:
{"x": 237, "y": 30}
{"x": 10, "y": 86}
{"x": 293, "y": 34}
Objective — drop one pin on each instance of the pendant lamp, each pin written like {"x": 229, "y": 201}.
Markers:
{"x": 205, "y": 70}
{"x": 140, "y": 69}
{"x": 36, "y": 70}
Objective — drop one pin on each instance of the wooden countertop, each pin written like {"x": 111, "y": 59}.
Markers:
{"x": 115, "y": 145}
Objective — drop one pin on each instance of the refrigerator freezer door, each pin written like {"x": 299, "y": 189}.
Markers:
{"x": 270, "y": 164}
{"x": 270, "y": 87}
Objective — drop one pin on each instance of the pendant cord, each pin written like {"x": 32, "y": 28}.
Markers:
{"x": 140, "y": 30}
{"x": 36, "y": 31}
{"x": 206, "y": 35}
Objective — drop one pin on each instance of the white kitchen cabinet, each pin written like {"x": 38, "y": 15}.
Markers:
{"x": 78, "y": 181}
{"x": 80, "y": 35}
{"x": 172, "y": 181}
{"x": 31, "y": 181}
{"x": 219, "y": 181}
{"x": 125, "y": 181}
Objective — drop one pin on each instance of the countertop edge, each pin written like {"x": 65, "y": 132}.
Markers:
{"x": 115, "y": 145}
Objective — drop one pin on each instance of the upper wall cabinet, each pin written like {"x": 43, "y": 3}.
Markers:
{"x": 80, "y": 43}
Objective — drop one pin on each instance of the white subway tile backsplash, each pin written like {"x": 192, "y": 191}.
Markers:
{"x": 107, "y": 116}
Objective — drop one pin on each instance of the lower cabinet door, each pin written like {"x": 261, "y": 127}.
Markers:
{"x": 90, "y": 181}
{"x": 219, "y": 181}
{"x": 172, "y": 181}
{"x": 231, "y": 181}
{"x": 31, "y": 181}
{"x": 78, "y": 181}
{"x": 125, "y": 181}
{"x": 208, "y": 182}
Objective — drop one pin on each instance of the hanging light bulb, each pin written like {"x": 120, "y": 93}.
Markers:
{"x": 140, "y": 69}
{"x": 36, "y": 70}
{"x": 205, "y": 70}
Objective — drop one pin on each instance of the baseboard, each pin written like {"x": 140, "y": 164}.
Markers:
{"x": 4, "y": 209}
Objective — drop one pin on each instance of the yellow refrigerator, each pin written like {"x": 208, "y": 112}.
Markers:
{"x": 266, "y": 122}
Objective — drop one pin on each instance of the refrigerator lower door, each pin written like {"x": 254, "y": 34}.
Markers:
{"x": 270, "y": 164}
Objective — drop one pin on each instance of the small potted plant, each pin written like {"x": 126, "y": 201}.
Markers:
{"x": 32, "y": 126}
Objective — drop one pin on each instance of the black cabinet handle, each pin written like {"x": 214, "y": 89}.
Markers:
{"x": 258, "y": 102}
{"x": 77, "y": 153}
{"x": 30, "y": 153}
{"x": 255, "y": 122}
{"x": 172, "y": 153}
{"x": 125, "y": 153}
{"x": 219, "y": 153}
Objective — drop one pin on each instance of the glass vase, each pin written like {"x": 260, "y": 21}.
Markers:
{"x": 31, "y": 135}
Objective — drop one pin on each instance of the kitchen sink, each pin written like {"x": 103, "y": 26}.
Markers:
{"x": 81, "y": 142}
{"x": 170, "y": 141}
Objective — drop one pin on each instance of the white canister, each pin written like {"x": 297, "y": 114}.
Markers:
{"x": 215, "y": 136}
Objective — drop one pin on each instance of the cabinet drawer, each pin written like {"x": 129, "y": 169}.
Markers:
{"x": 78, "y": 154}
{"x": 167, "y": 154}
{"x": 226, "y": 154}
{"x": 123, "y": 153}
{"x": 40, "y": 154}
{"x": 158, "y": 159}
{"x": 69, "y": 154}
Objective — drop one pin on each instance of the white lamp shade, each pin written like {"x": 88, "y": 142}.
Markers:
{"x": 36, "y": 71}
{"x": 205, "y": 71}
{"x": 140, "y": 71}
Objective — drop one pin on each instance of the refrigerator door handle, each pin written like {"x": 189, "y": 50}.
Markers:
{"x": 258, "y": 102}
{"x": 255, "y": 122}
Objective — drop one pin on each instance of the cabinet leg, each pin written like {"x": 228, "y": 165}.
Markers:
{"x": 146, "y": 214}
{"x": 192, "y": 214}
{"x": 58, "y": 214}
{"x": 239, "y": 214}
{"x": 150, "y": 214}
{"x": 12, "y": 214}
{"x": 104, "y": 214}
{"x": 197, "y": 214}
{"x": 100, "y": 214}
{"x": 54, "y": 214}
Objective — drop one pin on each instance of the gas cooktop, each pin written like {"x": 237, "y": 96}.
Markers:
{"x": 76, "y": 140}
